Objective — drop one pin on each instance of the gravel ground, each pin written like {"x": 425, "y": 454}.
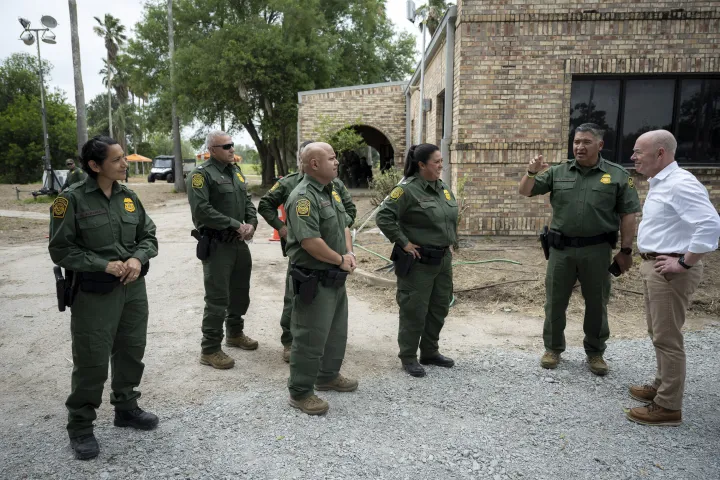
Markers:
{"x": 497, "y": 415}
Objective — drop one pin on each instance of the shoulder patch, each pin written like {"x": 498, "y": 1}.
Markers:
{"x": 240, "y": 176}
{"x": 59, "y": 207}
{"x": 129, "y": 205}
{"x": 447, "y": 194}
{"x": 198, "y": 181}
{"x": 275, "y": 187}
{"x": 396, "y": 193}
{"x": 631, "y": 182}
{"x": 336, "y": 196}
{"x": 302, "y": 207}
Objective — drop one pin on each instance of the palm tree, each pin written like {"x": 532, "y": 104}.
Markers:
{"x": 82, "y": 133}
{"x": 113, "y": 32}
{"x": 434, "y": 10}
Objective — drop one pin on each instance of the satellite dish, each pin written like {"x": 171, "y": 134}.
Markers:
{"x": 28, "y": 38}
{"x": 48, "y": 21}
{"x": 49, "y": 37}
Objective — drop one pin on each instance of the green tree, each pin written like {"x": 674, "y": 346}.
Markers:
{"x": 21, "y": 133}
{"x": 240, "y": 64}
{"x": 113, "y": 32}
{"x": 343, "y": 138}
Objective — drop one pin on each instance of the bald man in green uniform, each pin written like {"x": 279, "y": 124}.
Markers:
{"x": 591, "y": 199}
{"x": 319, "y": 246}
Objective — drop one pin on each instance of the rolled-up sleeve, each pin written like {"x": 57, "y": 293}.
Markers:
{"x": 692, "y": 204}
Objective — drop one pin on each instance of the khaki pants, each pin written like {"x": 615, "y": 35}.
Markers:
{"x": 666, "y": 301}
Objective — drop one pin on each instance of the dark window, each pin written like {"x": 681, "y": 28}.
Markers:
{"x": 440, "y": 117}
{"x": 627, "y": 107}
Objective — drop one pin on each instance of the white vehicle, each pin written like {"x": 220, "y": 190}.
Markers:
{"x": 163, "y": 167}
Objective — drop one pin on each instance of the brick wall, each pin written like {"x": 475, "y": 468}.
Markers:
{"x": 381, "y": 107}
{"x": 513, "y": 75}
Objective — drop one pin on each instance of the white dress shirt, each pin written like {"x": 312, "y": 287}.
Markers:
{"x": 678, "y": 216}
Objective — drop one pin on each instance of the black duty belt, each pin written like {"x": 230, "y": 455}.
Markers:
{"x": 430, "y": 255}
{"x": 558, "y": 240}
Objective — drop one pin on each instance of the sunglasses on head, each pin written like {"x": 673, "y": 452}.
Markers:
{"x": 227, "y": 146}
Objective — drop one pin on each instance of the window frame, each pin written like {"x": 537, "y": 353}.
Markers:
{"x": 624, "y": 78}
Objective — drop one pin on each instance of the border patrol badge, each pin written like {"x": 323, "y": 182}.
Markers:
{"x": 240, "y": 177}
{"x": 198, "y": 181}
{"x": 447, "y": 195}
{"x": 302, "y": 207}
{"x": 129, "y": 205}
{"x": 396, "y": 193}
{"x": 59, "y": 207}
{"x": 336, "y": 197}
{"x": 275, "y": 187}
{"x": 606, "y": 179}
{"x": 631, "y": 182}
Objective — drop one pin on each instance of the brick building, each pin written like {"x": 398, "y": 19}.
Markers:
{"x": 517, "y": 77}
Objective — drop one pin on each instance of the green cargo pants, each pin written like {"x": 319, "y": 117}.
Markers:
{"x": 319, "y": 332}
{"x": 424, "y": 299}
{"x": 590, "y": 266}
{"x": 227, "y": 293}
{"x": 286, "y": 337}
{"x": 109, "y": 328}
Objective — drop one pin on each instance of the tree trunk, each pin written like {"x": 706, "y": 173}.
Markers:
{"x": 177, "y": 151}
{"x": 82, "y": 135}
{"x": 267, "y": 161}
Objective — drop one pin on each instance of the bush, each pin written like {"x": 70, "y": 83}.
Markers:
{"x": 382, "y": 184}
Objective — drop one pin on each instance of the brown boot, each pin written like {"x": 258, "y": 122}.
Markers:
{"x": 242, "y": 341}
{"x": 550, "y": 360}
{"x": 598, "y": 365}
{"x": 312, "y": 405}
{"x": 340, "y": 384}
{"x": 655, "y": 415}
{"x": 286, "y": 353}
{"x": 219, "y": 360}
{"x": 643, "y": 393}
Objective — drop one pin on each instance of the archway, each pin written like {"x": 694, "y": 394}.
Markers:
{"x": 356, "y": 167}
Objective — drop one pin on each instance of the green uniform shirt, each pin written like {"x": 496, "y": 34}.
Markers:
{"x": 314, "y": 212}
{"x": 218, "y": 197}
{"x": 74, "y": 176}
{"x": 424, "y": 213}
{"x": 279, "y": 193}
{"x": 89, "y": 230}
{"x": 587, "y": 202}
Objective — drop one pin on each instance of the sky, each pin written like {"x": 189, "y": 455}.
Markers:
{"x": 92, "y": 48}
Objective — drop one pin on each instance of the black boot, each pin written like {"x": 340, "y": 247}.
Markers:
{"x": 136, "y": 418}
{"x": 439, "y": 360}
{"x": 85, "y": 447}
{"x": 414, "y": 369}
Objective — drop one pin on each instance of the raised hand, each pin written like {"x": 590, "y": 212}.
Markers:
{"x": 537, "y": 164}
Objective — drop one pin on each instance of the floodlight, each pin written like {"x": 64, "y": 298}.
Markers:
{"x": 48, "y": 21}
{"x": 24, "y": 22}
{"x": 28, "y": 38}
{"x": 49, "y": 37}
{"x": 410, "y": 10}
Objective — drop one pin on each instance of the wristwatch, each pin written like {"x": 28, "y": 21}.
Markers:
{"x": 682, "y": 263}
{"x": 626, "y": 250}
{"x": 352, "y": 253}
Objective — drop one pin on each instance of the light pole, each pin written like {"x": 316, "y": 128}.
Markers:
{"x": 28, "y": 37}
{"x": 411, "y": 14}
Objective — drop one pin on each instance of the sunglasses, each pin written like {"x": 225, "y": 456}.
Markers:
{"x": 69, "y": 164}
{"x": 227, "y": 146}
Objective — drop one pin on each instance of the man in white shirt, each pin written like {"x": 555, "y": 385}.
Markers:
{"x": 679, "y": 226}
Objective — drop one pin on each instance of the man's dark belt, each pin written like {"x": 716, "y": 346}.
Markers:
{"x": 558, "y": 240}
{"x": 653, "y": 255}
{"x": 430, "y": 255}
{"x": 333, "y": 277}
{"x": 102, "y": 282}
{"x": 224, "y": 236}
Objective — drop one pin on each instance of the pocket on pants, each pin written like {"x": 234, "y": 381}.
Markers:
{"x": 89, "y": 349}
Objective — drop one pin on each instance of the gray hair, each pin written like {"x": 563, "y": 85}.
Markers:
{"x": 212, "y": 135}
{"x": 592, "y": 128}
{"x": 665, "y": 140}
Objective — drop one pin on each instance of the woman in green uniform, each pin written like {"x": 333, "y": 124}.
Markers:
{"x": 420, "y": 217}
{"x": 99, "y": 230}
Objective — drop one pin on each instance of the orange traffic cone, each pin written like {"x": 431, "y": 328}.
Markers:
{"x": 281, "y": 215}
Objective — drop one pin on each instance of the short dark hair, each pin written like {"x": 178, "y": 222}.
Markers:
{"x": 596, "y": 130}
{"x": 95, "y": 149}
{"x": 418, "y": 153}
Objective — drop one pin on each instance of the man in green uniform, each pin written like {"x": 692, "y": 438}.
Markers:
{"x": 318, "y": 245}
{"x": 106, "y": 239}
{"x": 223, "y": 213}
{"x": 591, "y": 198}
{"x": 74, "y": 174}
{"x": 268, "y": 208}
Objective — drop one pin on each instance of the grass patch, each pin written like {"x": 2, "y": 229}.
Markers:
{"x": 39, "y": 199}
{"x": 257, "y": 190}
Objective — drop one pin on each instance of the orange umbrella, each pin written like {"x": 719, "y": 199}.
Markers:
{"x": 206, "y": 156}
{"x": 137, "y": 158}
